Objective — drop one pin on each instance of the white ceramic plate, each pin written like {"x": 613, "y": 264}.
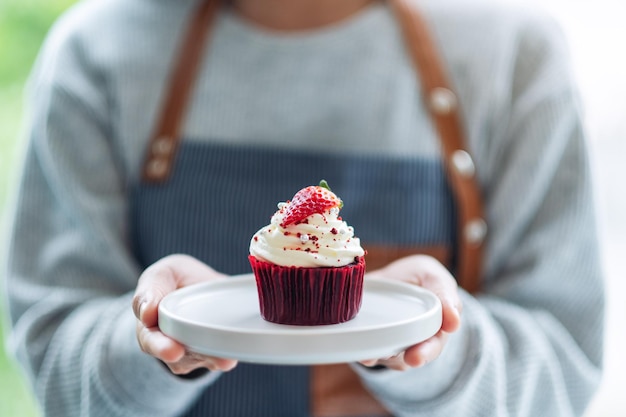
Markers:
{"x": 221, "y": 318}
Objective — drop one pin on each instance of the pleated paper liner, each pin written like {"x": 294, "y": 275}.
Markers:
{"x": 308, "y": 296}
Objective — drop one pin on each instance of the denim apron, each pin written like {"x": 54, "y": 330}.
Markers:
{"x": 206, "y": 200}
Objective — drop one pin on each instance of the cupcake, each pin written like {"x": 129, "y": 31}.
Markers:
{"x": 307, "y": 263}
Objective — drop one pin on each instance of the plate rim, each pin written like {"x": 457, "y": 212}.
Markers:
{"x": 169, "y": 318}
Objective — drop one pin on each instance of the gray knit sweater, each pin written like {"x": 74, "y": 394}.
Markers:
{"x": 529, "y": 345}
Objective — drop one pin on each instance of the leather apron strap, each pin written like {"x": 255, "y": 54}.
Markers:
{"x": 163, "y": 144}
{"x": 443, "y": 106}
{"x": 335, "y": 389}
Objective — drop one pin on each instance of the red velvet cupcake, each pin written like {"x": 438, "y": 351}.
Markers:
{"x": 308, "y": 264}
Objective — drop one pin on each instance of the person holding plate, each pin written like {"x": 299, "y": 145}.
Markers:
{"x": 161, "y": 133}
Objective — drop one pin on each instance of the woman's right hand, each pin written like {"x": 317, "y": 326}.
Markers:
{"x": 158, "y": 280}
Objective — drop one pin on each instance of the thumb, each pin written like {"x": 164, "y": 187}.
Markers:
{"x": 154, "y": 284}
{"x": 163, "y": 277}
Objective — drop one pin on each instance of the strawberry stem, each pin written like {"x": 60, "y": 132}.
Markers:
{"x": 324, "y": 184}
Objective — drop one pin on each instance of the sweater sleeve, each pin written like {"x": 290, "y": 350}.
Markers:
{"x": 531, "y": 342}
{"x": 71, "y": 273}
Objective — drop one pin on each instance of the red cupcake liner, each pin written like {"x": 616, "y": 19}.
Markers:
{"x": 308, "y": 296}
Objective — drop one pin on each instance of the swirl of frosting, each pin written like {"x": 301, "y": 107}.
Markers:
{"x": 320, "y": 240}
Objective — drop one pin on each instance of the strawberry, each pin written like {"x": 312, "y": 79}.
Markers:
{"x": 310, "y": 200}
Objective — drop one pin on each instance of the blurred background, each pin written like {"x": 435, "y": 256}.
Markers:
{"x": 23, "y": 25}
{"x": 596, "y": 31}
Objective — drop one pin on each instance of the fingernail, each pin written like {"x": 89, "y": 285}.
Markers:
{"x": 136, "y": 304}
{"x": 454, "y": 307}
{"x": 142, "y": 309}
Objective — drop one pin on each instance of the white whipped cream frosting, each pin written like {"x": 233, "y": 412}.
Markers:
{"x": 320, "y": 240}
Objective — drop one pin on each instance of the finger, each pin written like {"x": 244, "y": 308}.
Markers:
{"x": 450, "y": 309}
{"x": 432, "y": 275}
{"x": 155, "y": 343}
{"x": 395, "y": 362}
{"x": 369, "y": 362}
{"x": 225, "y": 364}
{"x": 221, "y": 364}
{"x": 451, "y": 320}
{"x": 375, "y": 362}
{"x": 425, "y": 352}
{"x": 163, "y": 277}
{"x": 187, "y": 365}
{"x": 179, "y": 360}
{"x": 154, "y": 284}
{"x": 192, "y": 361}
{"x": 415, "y": 356}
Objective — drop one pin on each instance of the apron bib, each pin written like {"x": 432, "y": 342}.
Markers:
{"x": 207, "y": 200}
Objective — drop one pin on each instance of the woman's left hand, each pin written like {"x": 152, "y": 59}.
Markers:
{"x": 428, "y": 273}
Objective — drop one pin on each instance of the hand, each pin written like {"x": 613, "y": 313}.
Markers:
{"x": 161, "y": 278}
{"x": 428, "y": 273}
